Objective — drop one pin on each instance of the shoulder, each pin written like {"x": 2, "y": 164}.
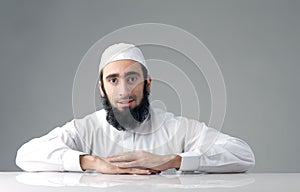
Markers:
{"x": 93, "y": 120}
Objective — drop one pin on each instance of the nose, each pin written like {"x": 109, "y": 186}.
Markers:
{"x": 124, "y": 89}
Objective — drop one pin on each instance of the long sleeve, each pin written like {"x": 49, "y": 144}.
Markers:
{"x": 208, "y": 150}
{"x": 59, "y": 150}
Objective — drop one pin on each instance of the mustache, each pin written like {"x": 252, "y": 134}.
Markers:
{"x": 126, "y": 98}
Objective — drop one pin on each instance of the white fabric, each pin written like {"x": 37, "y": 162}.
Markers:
{"x": 121, "y": 51}
{"x": 202, "y": 148}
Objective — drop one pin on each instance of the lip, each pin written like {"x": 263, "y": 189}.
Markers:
{"x": 126, "y": 102}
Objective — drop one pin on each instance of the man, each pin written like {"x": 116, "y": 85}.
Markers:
{"x": 129, "y": 135}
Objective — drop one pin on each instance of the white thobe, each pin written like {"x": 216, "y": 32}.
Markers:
{"x": 201, "y": 148}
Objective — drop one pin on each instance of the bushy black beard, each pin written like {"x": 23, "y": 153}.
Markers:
{"x": 128, "y": 119}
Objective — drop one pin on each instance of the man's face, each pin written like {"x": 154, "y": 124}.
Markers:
{"x": 123, "y": 82}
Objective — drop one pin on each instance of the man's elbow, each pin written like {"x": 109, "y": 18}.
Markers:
{"x": 24, "y": 161}
{"x": 21, "y": 162}
{"x": 243, "y": 155}
{"x": 250, "y": 162}
{"x": 246, "y": 162}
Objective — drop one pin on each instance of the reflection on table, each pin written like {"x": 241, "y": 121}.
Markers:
{"x": 163, "y": 180}
{"x": 166, "y": 181}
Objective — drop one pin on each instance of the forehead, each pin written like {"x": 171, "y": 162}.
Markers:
{"x": 122, "y": 66}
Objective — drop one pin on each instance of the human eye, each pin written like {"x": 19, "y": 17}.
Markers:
{"x": 113, "y": 80}
{"x": 132, "y": 79}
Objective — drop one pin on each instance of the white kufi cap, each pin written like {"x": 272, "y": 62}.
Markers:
{"x": 121, "y": 51}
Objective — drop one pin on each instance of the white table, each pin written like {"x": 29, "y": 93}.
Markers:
{"x": 72, "y": 181}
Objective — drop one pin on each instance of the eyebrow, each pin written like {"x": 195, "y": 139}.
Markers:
{"x": 132, "y": 73}
{"x": 126, "y": 74}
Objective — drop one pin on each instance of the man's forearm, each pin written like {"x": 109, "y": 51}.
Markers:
{"x": 146, "y": 160}
{"x": 89, "y": 162}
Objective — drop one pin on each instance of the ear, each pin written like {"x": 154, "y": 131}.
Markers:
{"x": 100, "y": 88}
{"x": 149, "y": 80}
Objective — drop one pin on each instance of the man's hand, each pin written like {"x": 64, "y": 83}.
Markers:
{"x": 88, "y": 162}
{"x": 145, "y": 160}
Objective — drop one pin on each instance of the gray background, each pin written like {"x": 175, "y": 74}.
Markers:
{"x": 256, "y": 44}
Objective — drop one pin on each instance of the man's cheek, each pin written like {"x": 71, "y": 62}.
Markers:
{"x": 111, "y": 101}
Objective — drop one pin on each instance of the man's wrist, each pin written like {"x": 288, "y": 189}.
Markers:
{"x": 87, "y": 162}
{"x": 175, "y": 161}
